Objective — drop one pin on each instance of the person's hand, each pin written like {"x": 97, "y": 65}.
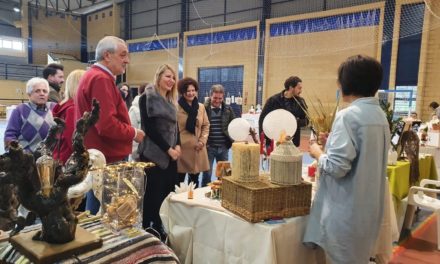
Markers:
{"x": 315, "y": 150}
{"x": 174, "y": 154}
{"x": 139, "y": 136}
{"x": 178, "y": 149}
{"x": 323, "y": 136}
{"x": 199, "y": 146}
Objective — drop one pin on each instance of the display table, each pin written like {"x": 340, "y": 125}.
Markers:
{"x": 202, "y": 231}
{"x": 435, "y": 152}
{"x": 131, "y": 246}
{"x": 398, "y": 175}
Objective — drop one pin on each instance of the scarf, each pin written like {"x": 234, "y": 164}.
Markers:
{"x": 55, "y": 86}
{"x": 192, "y": 111}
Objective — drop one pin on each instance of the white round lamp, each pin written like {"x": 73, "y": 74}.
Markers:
{"x": 278, "y": 121}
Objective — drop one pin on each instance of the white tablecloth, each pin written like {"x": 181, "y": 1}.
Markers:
{"x": 201, "y": 231}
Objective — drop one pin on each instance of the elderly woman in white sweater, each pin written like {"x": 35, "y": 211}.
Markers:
{"x": 135, "y": 119}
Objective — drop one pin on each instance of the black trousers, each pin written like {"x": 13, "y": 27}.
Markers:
{"x": 192, "y": 178}
{"x": 160, "y": 182}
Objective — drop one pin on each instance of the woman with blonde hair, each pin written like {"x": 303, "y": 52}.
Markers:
{"x": 161, "y": 144}
{"x": 66, "y": 111}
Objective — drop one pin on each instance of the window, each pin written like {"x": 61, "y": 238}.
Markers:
{"x": 103, "y": 15}
{"x": 230, "y": 77}
{"x": 17, "y": 45}
{"x": 8, "y": 44}
{"x": 405, "y": 101}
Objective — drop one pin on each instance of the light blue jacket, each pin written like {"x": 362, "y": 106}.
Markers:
{"x": 348, "y": 207}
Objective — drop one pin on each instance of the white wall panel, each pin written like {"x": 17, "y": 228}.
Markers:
{"x": 234, "y": 5}
{"x": 332, "y": 4}
{"x": 169, "y": 28}
{"x": 169, "y": 14}
{"x": 143, "y": 5}
{"x": 143, "y": 32}
{"x": 199, "y": 24}
{"x": 245, "y": 16}
{"x": 163, "y": 3}
{"x": 143, "y": 19}
{"x": 206, "y": 8}
{"x": 296, "y": 7}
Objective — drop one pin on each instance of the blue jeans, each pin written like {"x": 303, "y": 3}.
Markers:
{"x": 92, "y": 203}
{"x": 217, "y": 153}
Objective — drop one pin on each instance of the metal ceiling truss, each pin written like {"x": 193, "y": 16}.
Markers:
{"x": 65, "y": 6}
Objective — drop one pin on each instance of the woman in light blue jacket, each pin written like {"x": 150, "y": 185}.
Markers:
{"x": 347, "y": 209}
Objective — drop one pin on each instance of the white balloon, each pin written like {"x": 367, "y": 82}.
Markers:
{"x": 278, "y": 121}
{"x": 238, "y": 129}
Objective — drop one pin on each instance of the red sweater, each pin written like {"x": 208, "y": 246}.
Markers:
{"x": 113, "y": 134}
{"x": 66, "y": 112}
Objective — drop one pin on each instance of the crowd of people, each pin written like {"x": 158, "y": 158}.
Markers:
{"x": 184, "y": 137}
{"x": 155, "y": 126}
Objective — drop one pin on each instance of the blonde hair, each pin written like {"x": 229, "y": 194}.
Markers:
{"x": 72, "y": 82}
{"x": 171, "y": 95}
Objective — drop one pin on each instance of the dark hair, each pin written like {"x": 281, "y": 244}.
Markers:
{"x": 433, "y": 105}
{"x": 51, "y": 69}
{"x": 123, "y": 84}
{"x": 292, "y": 81}
{"x": 182, "y": 85}
{"x": 360, "y": 75}
{"x": 142, "y": 87}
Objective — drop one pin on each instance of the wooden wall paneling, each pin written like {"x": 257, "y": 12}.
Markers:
{"x": 55, "y": 33}
{"x": 244, "y": 52}
{"x": 315, "y": 57}
{"x": 429, "y": 78}
{"x": 143, "y": 65}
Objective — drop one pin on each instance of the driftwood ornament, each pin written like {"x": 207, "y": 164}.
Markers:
{"x": 36, "y": 193}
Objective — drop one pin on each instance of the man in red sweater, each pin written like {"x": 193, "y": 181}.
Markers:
{"x": 113, "y": 134}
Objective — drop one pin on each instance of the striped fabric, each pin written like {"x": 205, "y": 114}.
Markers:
{"x": 131, "y": 246}
{"x": 216, "y": 136}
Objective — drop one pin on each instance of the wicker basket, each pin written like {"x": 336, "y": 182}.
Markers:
{"x": 262, "y": 200}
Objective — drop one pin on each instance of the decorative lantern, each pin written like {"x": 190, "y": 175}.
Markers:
{"x": 46, "y": 166}
{"x": 122, "y": 196}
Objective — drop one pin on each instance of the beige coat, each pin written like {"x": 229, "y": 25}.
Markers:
{"x": 192, "y": 161}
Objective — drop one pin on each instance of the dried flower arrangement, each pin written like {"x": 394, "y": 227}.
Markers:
{"x": 320, "y": 115}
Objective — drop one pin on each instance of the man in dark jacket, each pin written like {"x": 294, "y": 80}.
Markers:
{"x": 219, "y": 142}
{"x": 54, "y": 74}
{"x": 289, "y": 100}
